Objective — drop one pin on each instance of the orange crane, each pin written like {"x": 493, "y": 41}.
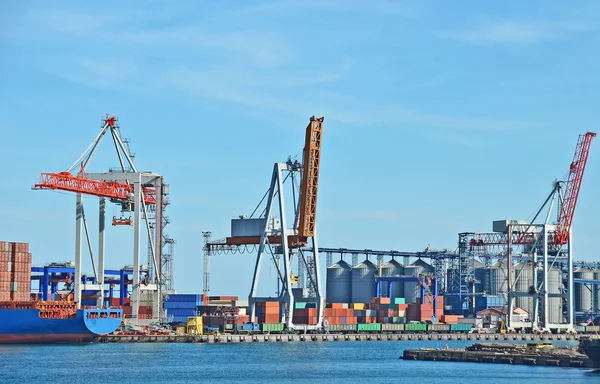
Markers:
{"x": 278, "y": 242}
{"x": 308, "y": 195}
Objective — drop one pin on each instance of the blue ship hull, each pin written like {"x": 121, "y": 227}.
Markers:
{"x": 19, "y": 326}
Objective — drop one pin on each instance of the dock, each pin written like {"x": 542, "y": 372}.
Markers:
{"x": 503, "y": 354}
{"x": 261, "y": 338}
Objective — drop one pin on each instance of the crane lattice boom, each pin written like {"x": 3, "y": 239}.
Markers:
{"x": 65, "y": 181}
{"x": 572, "y": 188}
{"x": 310, "y": 177}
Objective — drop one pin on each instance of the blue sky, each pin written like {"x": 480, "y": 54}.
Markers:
{"x": 438, "y": 118}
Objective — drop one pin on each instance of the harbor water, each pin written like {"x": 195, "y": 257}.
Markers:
{"x": 299, "y": 362}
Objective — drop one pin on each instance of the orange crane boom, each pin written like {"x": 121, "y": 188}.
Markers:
{"x": 310, "y": 178}
{"x": 308, "y": 192}
{"x": 65, "y": 181}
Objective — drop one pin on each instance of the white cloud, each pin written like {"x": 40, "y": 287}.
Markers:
{"x": 517, "y": 32}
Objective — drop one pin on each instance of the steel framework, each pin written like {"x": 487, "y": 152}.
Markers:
{"x": 279, "y": 244}
{"x": 130, "y": 188}
{"x": 533, "y": 239}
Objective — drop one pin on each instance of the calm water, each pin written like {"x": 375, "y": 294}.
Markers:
{"x": 341, "y": 362}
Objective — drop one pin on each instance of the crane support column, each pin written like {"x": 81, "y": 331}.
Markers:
{"x": 101, "y": 242}
{"x": 78, "y": 249}
{"x": 158, "y": 245}
{"x": 570, "y": 306}
{"x": 135, "y": 292}
{"x": 545, "y": 277}
{"x": 317, "y": 280}
{"x": 261, "y": 246}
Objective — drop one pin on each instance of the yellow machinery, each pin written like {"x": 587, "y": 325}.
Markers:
{"x": 179, "y": 331}
{"x": 501, "y": 326}
{"x": 195, "y": 326}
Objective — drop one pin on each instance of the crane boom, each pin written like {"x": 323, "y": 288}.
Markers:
{"x": 65, "y": 181}
{"x": 310, "y": 177}
{"x": 572, "y": 188}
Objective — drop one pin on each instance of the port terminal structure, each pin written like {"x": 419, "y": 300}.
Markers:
{"x": 49, "y": 277}
{"x": 141, "y": 196}
{"x": 540, "y": 245}
{"x": 278, "y": 240}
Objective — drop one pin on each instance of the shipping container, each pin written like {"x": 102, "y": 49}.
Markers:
{"x": 248, "y": 327}
{"x": 372, "y": 327}
{"x": 392, "y": 327}
{"x": 415, "y": 327}
{"x": 196, "y": 298}
{"x": 347, "y": 328}
{"x": 461, "y": 327}
{"x": 179, "y": 305}
{"x": 271, "y": 327}
{"x": 181, "y": 312}
{"x": 438, "y": 328}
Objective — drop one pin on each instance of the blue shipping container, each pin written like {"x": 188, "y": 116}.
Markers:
{"x": 179, "y": 305}
{"x": 181, "y": 312}
{"x": 248, "y": 327}
{"x": 485, "y": 302}
{"x": 184, "y": 297}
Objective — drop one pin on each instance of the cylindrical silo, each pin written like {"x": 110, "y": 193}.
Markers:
{"x": 411, "y": 292}
{"x": 426, "y": 269}
{"x": 583, "y": 293}
{"x": 523, "y": 279}
{"x": 555, "y": 307}
{"x": 498, "y": 279}
{"x": 339, "y": 283}
{"x": 363, "y": 282}
{"x": 393, "y": 268}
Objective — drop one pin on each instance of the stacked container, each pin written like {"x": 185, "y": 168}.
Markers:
{"x": 268, "y": 312}
{"x": 15, "y": 271}
{"x": 339, "y": 314}
{"x": 181, "y": 306}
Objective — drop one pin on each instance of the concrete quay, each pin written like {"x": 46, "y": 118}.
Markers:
{"x": 228, "y": 338}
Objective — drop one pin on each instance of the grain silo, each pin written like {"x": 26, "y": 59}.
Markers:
{"x": 339, "y": 283}
{"x": 393, "y": 268}
{"x": 363, "y": 282}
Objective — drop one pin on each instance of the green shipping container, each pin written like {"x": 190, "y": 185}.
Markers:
{"x": 13, "y": 286}
{"x": 398, "y": 320}
{"x": 376, "y": 327}
{"x": 276, "y": 327}
{"x": 460, "y": 327}
{"x": 415, "y": 327}
{"x": 399, "y": 300}
{"x": 228, "y": 326}
{"x": 299, "y": 305}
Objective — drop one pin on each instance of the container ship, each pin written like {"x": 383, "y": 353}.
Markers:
{"x": 30, "y": 322}
{"x": 23, "y": 320}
